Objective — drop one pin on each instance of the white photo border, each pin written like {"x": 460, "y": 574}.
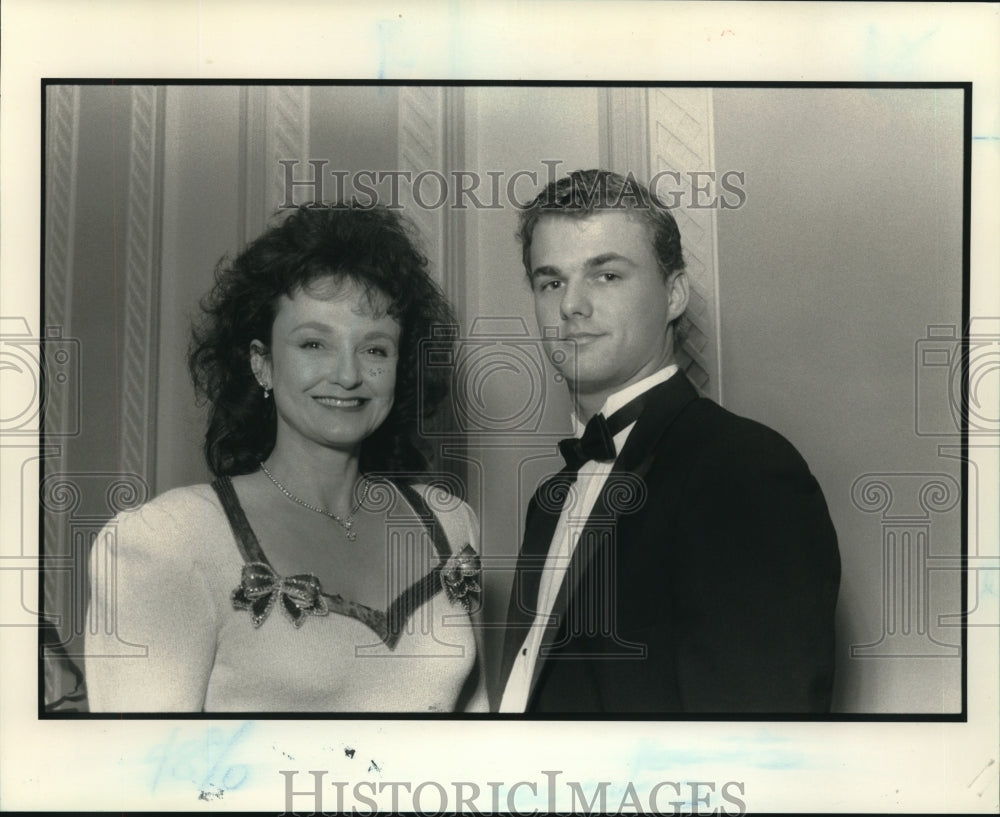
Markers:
{"x": 834, "y": 766}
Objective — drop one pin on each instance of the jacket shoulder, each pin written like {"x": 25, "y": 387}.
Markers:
{"x": 738, "y": 438}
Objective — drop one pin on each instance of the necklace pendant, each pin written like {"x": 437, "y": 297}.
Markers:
{"x": 346, "y": 524}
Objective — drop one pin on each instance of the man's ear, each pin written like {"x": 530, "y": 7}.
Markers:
{"x": 260, "y": 363}
{"x": 679, "y": 293}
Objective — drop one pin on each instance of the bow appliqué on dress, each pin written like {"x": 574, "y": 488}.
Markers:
{"x": 261, "y": 588}
{"x": 460, "y": 578}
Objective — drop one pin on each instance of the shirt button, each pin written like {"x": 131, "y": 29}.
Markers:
{"x": 524, "y": 651}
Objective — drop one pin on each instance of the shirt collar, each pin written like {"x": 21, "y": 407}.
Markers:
{"x": 620, "y": 398}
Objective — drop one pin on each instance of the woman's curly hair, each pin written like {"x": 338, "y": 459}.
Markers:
{"x": 371, "y": 246}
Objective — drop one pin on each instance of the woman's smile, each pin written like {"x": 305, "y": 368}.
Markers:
{"x": 332, "y": 364}
{"x": 348, "y": 403}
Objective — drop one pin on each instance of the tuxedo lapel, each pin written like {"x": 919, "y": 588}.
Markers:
{"x": 540, "y": 524}
{"x": 665, "y": 402}
{"x": 622, "y": 489}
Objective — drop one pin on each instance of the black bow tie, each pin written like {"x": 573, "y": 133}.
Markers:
{"x": 597, "y": 443}
{"x": 598, "y": 440}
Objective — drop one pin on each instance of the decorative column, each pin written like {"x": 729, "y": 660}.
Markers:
{"x": 410, "y": 555}
{"x": 79, "y": 504}
{"x": 905, "y": 503}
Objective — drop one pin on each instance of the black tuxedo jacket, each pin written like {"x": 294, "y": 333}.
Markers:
{"x": 704, "y": 581}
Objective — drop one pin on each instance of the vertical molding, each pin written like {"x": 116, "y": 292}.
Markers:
{"x": 287, "y": 138}
{"x": 144, "y": 218}
{"x": 624, "y": 131}
{"x": 62, "y": 145}
{"x": 251, "y": 163}
{"x": 717, "y": 393}
{"x": 453, "y": 274}
{"x": 274, "y": 127}
{"x": 422, "y": 128}
{"x": 431, "y": 141}
{"x": 680, "y": 141}
{"x": 649, "y": 131}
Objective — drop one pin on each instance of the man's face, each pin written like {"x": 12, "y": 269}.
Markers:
{"x": 597, "y": 282}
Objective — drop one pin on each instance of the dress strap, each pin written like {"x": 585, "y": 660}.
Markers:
{"x": 246, "y": 539}
{"x": 428, "y": 517}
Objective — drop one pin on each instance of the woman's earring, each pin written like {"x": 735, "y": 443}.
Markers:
{"x": 258, "y": 367}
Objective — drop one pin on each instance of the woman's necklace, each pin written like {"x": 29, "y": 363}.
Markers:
{"x": 346, "y": 524}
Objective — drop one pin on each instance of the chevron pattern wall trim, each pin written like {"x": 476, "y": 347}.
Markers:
{"x": 274, "y": 128}
{"x": 63, "y": 126}
{"x": 142, "y": 274}
{"x": 62, "y": 145}
{"x": 647, "y": 131}
{"x": 681, "y": 140}
{"x": 287, "y": 137}
{"x": 421, "y": 150}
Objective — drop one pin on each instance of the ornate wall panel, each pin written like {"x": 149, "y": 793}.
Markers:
{"x": 430, "y": 148}
{"x": 62, "y": 140}
{"x": 274, "y": 128}
{"x": 137, "y": 406}
{"x": 652, "y": 131}
{"x": 62, "y": 125}
{"x": 430, "y": 140}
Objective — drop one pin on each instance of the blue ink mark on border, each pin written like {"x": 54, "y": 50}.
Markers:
{"x": 884, "y": 50}
{"x": 763, "y": 752}
{"x": 387, "y": 38}
{"x": 987, "y": 583}
{"x": 203, "y": 760}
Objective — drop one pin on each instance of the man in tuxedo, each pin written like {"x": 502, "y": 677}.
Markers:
{"x": 684, "y": 560}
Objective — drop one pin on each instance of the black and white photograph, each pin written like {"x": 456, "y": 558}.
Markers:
{"x": 508, "y": 414}
{"x": 797, "y": 552}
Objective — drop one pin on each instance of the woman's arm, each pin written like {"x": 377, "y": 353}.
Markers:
{"x": 151, "y": 641}
{"x": 478, "y": 700}
{"x": 462, "y": 530}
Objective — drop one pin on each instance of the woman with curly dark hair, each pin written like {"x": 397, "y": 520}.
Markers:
{"x": 319, "y": 548}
